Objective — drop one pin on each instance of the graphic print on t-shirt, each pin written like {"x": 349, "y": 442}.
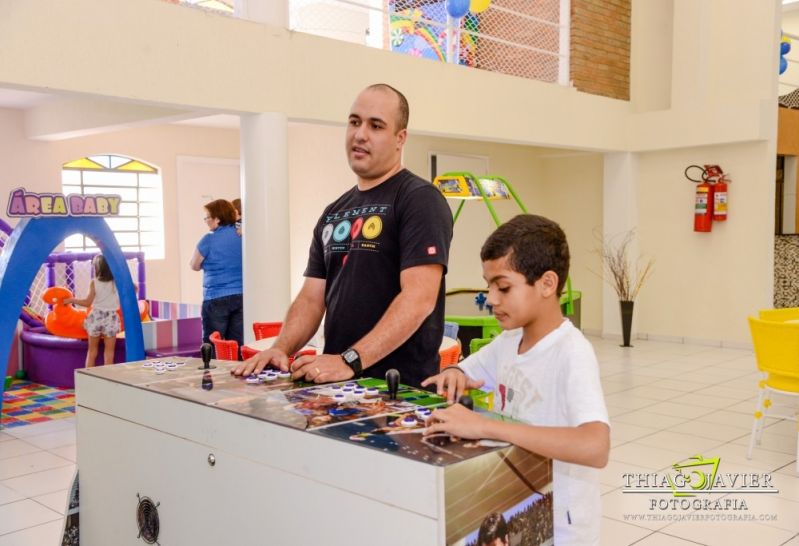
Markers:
{"x": 373, "y": 227}
{"x": 521, "y": 398}
{"x": 351, "y": 229}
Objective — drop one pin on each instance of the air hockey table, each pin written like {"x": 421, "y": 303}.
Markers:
{"x": 171, "y": 454}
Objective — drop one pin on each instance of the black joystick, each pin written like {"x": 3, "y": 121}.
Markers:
{"x": 206, "y": 349}
{"x": 392, "y": 382}
{"x": 207, "y": 381}
{"x": 466, "y": 401}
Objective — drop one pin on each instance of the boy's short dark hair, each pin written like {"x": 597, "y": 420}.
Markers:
{"x": 533, "y": 245}
{"x": 493, "y": 527}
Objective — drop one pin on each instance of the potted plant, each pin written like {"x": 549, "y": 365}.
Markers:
{"x": 623, "y": 275}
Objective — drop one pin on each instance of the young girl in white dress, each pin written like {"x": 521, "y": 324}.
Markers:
{"x": 102, "y": 321}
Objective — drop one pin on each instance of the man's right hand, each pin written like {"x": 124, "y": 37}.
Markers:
{"x": 257, "y": 363}
{"x": 452, "y": 381}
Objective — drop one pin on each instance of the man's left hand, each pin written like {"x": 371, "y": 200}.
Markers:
{"x": 321, "y": 369}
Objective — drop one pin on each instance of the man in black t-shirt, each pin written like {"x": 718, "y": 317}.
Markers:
{"x": 376, "y": 265}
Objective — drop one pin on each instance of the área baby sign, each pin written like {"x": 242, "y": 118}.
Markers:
{"x": 24, "y": 204}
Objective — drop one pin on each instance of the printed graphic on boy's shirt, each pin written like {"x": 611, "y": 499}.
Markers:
{"x": 520, "y": 399}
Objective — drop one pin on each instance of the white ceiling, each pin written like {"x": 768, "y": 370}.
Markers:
{"x": 21, "y": 100}
{"x": 219, "y": 121}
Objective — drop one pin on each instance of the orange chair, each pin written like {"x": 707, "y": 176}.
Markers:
{"x": 450, "y": 356}
{"x": 246, "y": 352}
{"x": 225, "y": 349}
{"x": 266, "y": 329}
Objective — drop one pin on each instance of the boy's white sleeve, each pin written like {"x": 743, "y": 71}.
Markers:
{"x": 586, "y": 402}
{"x": 482, "y": 365}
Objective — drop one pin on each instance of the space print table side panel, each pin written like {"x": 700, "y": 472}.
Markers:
{"x": 329, "y": 461}
{"x": 236, "y": 501}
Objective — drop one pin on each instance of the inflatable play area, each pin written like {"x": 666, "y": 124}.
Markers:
{"x": 51, "y": 338}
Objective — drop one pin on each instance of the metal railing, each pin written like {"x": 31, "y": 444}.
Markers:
{"x": 524, "y": 38}
{"x": 515, "y": 37}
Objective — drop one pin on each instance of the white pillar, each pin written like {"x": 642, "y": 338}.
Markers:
{"x": 265, "y": 202}
{"x": 270, "y": 12}
{"x": 619, "y": 215}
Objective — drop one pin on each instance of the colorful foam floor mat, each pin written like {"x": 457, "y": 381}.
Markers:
{"x": 25, "y": 403}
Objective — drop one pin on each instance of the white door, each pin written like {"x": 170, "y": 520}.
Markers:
{"x": 200, "y": 181}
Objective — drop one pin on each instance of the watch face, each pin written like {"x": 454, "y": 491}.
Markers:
{"x": 350, "y": 356}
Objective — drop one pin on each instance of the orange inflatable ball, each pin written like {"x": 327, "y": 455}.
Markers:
{"x": 63, "y": 320}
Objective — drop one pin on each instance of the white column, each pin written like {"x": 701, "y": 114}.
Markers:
{"x": 265, "y": 202}
{"x": 619, "y": 215}
{"x": 271, "y": 12}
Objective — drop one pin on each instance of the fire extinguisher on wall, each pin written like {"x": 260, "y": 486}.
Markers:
{"x": 710, "y": 200}
{"x": 703, "y": 201}
{"x": 720, "y": 199}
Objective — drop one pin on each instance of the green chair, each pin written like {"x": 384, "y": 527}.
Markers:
{"x": 478, "y": 343}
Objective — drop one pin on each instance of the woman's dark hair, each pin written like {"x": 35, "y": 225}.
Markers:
{"x": 493, "y": 527}
{"x": 533, "y": 245}
{"x": 101, "y": 270}
{"x": 237, "y": 205}
{"x": 223, "y": 210}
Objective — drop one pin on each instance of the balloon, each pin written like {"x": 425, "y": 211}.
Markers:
{"x": 783, "y": 65}
{"x": 785, "y": 47}
{"x": 457, "y": 8}
{"x": 479, "y": 6}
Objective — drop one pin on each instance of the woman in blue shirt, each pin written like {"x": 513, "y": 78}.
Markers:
{"x": 218, "y": 254}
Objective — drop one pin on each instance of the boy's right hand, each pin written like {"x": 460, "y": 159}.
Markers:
{"x": 257, "y": 363}
{"x": 452, "y": 381}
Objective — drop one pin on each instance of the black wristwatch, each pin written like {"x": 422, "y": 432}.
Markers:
{"x": 353, "y": 360}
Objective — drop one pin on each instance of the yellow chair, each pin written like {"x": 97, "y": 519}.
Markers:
{"x": 780, "y": 315}
{"x": 777, "y": 354}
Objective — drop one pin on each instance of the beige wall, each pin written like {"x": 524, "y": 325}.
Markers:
{"x": 704, "y": 285}
{"x": 571, "y": 194}
{"x": 37, "y": 166}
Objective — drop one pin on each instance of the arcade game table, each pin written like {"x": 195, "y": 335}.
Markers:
{"x": 172, "y": 453}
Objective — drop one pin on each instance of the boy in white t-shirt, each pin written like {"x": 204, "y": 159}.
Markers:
{"x": 543, "y": 372}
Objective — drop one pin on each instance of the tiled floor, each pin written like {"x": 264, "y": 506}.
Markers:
{"x": 667, "y": 402}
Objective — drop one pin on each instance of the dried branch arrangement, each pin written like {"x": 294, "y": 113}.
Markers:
{"x": 619, "y": 272}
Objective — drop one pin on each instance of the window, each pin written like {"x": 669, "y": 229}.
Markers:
{"x": 140, "y": 223}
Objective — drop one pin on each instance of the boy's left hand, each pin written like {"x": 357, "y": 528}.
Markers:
{"x": 458, "y": 421}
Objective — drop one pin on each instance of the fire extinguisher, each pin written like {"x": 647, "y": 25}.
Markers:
{"x": 703, "y": 201}
{"x": 720, "y": 199}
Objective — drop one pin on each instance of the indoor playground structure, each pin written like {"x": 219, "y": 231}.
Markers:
{"x": 27, "y": 271}
{"x": 467, "y": 307}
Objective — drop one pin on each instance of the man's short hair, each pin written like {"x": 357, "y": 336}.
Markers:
{"x": 404, "y": 111}
{"x": 493, "y": 527}
{"x": 533, "y": 244}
